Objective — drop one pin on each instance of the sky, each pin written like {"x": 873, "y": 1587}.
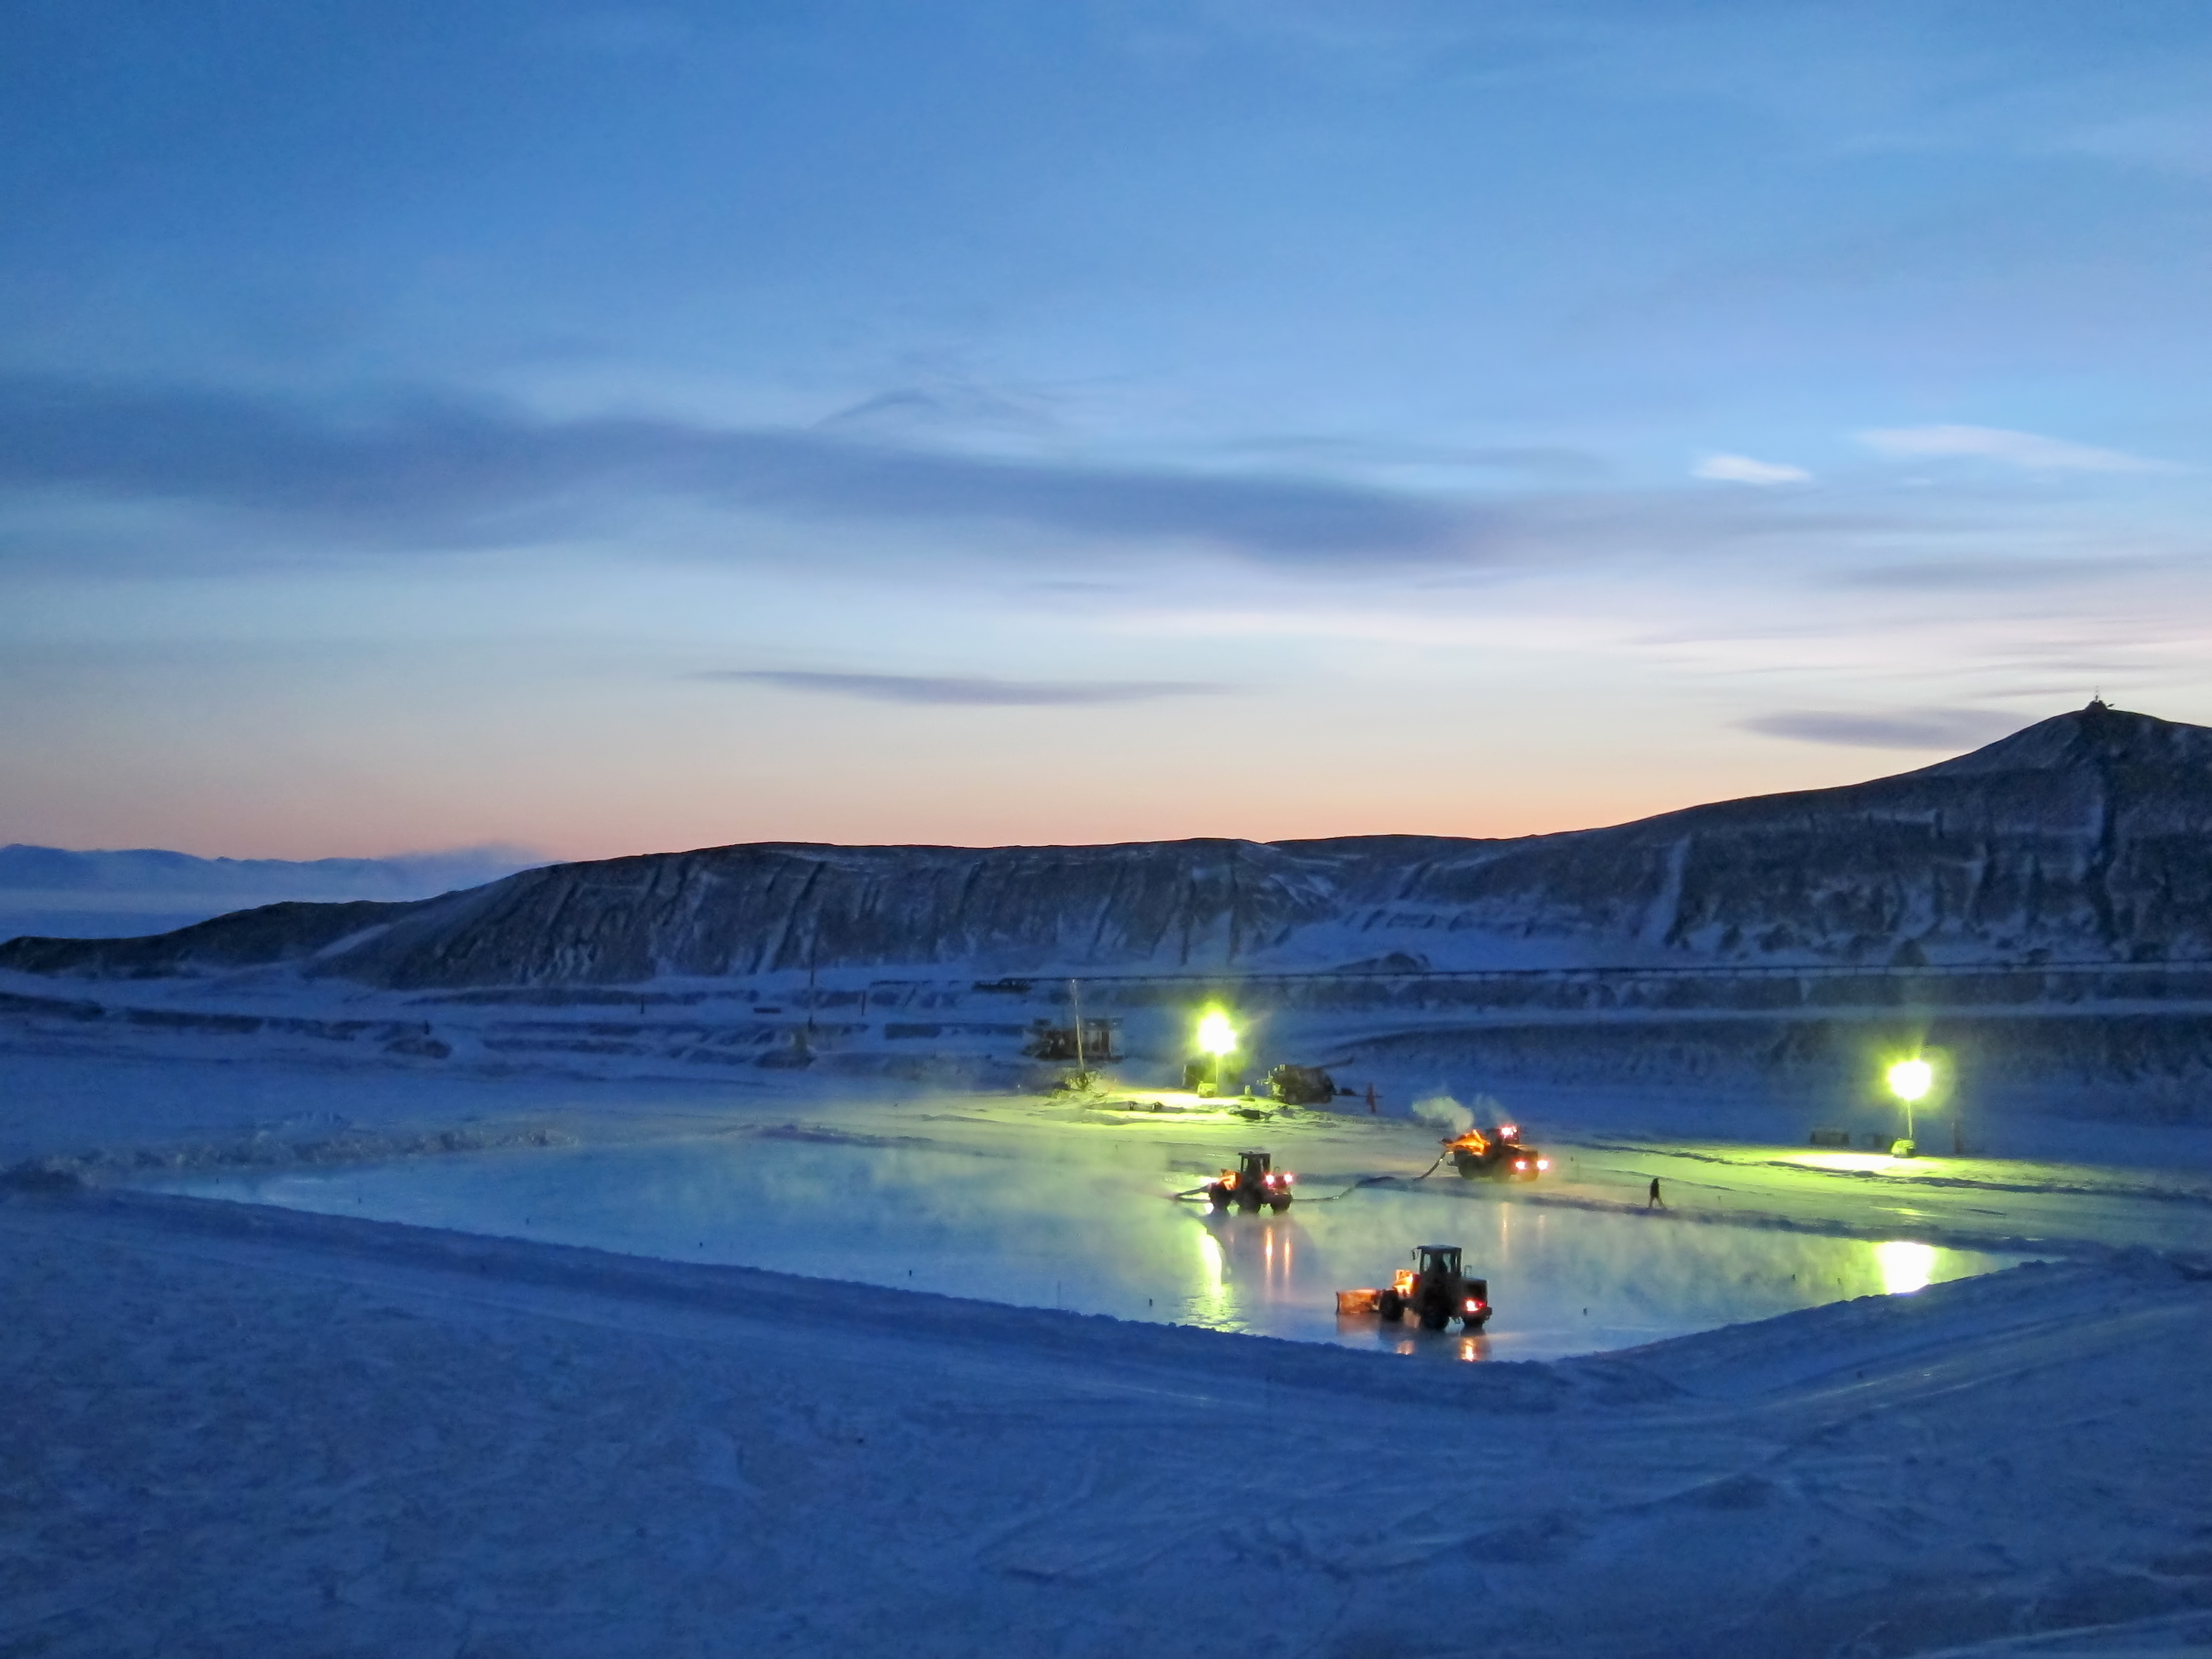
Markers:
{"x": 608, "y": 430}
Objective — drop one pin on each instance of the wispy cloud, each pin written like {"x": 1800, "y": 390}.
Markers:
{"x": 429, "y": 470}
{"x": 1741, "y": 469}
{"x": 936, "y": 405}
{"x": 976, "y": 690}
{"x": 1370, "y": 457}
{"x": 1947, "y": 729}
{"x": 2016, "y": 574}
{"x": 2023, "y": 449}
{"x": 165, "y": 478}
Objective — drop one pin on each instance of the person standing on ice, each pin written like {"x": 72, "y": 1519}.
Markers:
{"x": 1655, "y": 1202}
{"x": 1370, "y": 1100}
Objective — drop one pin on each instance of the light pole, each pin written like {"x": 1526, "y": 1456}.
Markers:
{"x": 1909, "y": 1081}
{"x": 1216, "y": 1037}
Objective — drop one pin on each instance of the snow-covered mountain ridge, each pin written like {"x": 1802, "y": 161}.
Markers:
{"x": 2086, "y": 837}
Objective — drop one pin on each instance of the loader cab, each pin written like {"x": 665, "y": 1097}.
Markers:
{"x": 1253, "y": 1166}
{"x": 1439, "y": 1262}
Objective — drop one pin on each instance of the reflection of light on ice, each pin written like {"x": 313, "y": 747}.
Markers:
{"x": 1905, "y": 1267}
{"x": 1276, "y": 1272}
{"x": 1212, "y": 1300}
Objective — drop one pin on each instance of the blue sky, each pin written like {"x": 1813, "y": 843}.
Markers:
{"x": 609, "y": 429}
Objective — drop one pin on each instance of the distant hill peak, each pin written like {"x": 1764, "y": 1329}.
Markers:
{"x": 2097, "y": 735}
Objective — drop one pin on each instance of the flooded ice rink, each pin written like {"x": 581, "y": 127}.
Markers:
{"x": 1107, "y": 1240}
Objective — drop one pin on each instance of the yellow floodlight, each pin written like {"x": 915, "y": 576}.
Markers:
{"x": 1911, "y": 1079}
{"x": 1215, "y": 1034}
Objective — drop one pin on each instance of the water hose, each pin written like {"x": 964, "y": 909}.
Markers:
{"x": 1196, "y": 1193}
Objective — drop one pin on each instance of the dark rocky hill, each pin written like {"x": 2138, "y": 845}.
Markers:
{"x": 2086, "y": 837}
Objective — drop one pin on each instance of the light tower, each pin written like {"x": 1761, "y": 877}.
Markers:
{"x": 1910, "y": 1080}
{"x": 1218, "y": 1037}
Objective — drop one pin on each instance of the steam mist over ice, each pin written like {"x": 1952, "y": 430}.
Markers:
{"x": 1097, "y": 1232}
{"x": 1443, "y": 1112}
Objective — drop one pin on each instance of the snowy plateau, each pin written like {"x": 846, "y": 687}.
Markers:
{"x": 334, "y": 1323}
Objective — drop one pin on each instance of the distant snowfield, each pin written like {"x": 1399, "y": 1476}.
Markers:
{"x": 243, "y": 1429}
{"x": 54, "y": 893}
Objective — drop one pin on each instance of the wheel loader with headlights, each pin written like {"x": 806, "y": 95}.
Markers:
{"x": 1254, "y": 1183}
{"x": 1501, "y": 1155}
{"x": 1434, "y": 1290}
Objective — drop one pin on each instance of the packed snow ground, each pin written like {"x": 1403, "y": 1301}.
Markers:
{"x": 249, "y": 1431}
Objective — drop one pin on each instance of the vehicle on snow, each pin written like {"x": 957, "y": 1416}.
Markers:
{"x": 1210, "y": 1076}
{"x": 1434, "y": 1290}
{"x": 1302, "y": 1086}
{"x": 1500, "y": 1154}
{"x": 1254, "y": 1184}
{"x": 1088, "y": 1042}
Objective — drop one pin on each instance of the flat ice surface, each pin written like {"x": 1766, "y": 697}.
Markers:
{"x": 1565, "y": 1279}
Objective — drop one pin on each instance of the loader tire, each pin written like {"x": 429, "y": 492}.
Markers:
{"x": 1390, "y": 1306}
{"x": 1434, "y": 1319}
{"x": 1279, "y": 1204}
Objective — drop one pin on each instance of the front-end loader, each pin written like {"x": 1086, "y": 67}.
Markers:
{"x": 1436, "y": 1292}
{"x": 1254, "y": 1183}
{"x": 1501, "y": 1154}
